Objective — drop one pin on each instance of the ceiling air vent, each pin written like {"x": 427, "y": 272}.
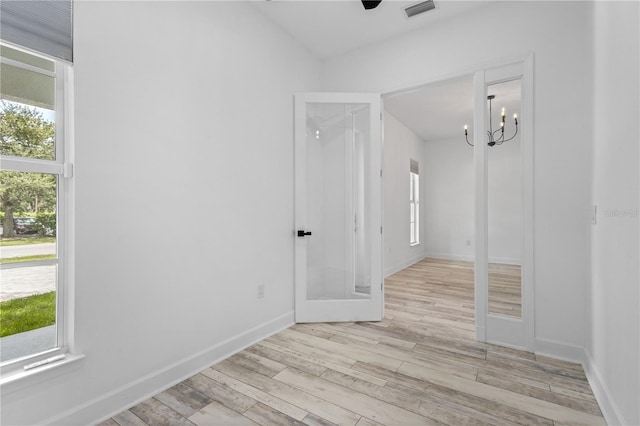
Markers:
{"x": 419, "y": 8}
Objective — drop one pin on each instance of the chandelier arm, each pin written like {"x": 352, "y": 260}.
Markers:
{"x": 467, "y": 138}
{"x": 514, "y": 135}
{"x": 496, "y": 131}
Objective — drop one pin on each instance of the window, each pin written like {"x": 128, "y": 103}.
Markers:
{"x": 34, "y": 196}
{"x": 414, "y": 204}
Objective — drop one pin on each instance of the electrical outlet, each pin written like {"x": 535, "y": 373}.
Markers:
{"x": 260, "y": 291}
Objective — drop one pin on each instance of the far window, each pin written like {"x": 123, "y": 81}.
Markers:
{"x": 414, "y": 204}
{"x": 32, "y": 205}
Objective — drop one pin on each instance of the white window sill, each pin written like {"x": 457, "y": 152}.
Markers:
{"x": 20, "y": 379}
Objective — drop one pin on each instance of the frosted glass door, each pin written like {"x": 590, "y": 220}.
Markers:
{"x": 338, "y": 208}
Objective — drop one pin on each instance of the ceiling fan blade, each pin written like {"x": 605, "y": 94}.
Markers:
{"x": 371, "y": 4}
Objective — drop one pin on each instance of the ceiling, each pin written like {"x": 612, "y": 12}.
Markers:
{"x": 330, "y": 28}
{"x": 335, "y": 27}
{"x": 436, "y": 111}
{"x": 440, "y": 111}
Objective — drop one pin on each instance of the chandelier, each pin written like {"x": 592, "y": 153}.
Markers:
{"x": 496, "y": 137}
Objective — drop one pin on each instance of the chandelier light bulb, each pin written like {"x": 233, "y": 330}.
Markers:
{"x": 515, "y": 116}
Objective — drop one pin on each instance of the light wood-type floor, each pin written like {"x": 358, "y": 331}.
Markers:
{"x": 419, "y": 366}
{"x": 505, "y": 290}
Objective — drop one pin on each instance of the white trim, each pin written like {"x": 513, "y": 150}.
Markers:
{"x": 445, "y": 78}
{"x": 22, "y": 379}
{"x": 27, "y": 67}
{"x": 559, "y": 350}
{"x": 506, "y": 260}
{"x": 450, "y": 256}
{"x": 18, "y": 164}
{"x": 527, "y": 274}
{"x": 610, "y": 410}
{"x": 577, "y": 354}
{"x": 481, "y": 213}
{"x": 67, "y": 225}
{"x": 400, "y": 266}
{"x": 469, "y": 258}
{"x": 111, "y": 403}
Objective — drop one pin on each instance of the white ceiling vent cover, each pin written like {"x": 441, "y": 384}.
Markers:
{"x": 419, "y": 8}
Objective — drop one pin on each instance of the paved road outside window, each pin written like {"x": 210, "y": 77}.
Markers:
{"x": 23, "y": 282}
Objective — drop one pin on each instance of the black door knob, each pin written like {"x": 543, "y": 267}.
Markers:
{"x": 302, "y": 233}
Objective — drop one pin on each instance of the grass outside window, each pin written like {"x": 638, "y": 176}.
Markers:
{"x": 27, "y": 313}
{"x": 24, "y": 240}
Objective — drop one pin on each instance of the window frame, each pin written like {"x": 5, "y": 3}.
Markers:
{"x": 62, "y": 167}
{"x": 414, "y": 203}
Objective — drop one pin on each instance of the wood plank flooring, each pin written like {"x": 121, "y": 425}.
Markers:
{"x": 419, "y": 366}
{"x": 505, "y": 290}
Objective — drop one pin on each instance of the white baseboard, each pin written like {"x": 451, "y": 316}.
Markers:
{"x": 505, "y": 260}
{"x": 470, "y": 258}
{"x": 609, "y": 408}
{"x": 560, "y": 350}
{"x": 450, "y": 256}
{"x": 577, "y": 354}
{"x": 118, "y": 400}
{"x": 399, "y": 267}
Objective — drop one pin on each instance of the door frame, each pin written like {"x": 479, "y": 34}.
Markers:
{"x": 488, "y": 329}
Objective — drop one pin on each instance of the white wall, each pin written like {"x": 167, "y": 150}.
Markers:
{"x": 184, "y": 175}
{"x": 400, "y": 146}
{"x": 558, "y": 34}
{"x": 448, "y": 202}
{"x": 613, "y": 344}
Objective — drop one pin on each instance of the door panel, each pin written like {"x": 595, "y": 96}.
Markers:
{"x": 504, "y": 226}
{"x": 338, "y": 207}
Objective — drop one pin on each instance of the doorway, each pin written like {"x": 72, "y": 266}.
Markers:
{"x": 476, "y": 195}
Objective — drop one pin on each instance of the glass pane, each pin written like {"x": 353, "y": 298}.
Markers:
{"x": 27, "y": 131}
{"x": 27, "y": 311}
{"x": 338, "y": 167}
{"x": 411, "y": 191}
{"x": 505, "y": 202}
{"x": 28, "y": 234}
{"x": 27, "y": 108}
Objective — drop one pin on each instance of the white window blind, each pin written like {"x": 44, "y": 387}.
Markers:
{"x": 45, "y": 26}
{"x": 414, "y": 166}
